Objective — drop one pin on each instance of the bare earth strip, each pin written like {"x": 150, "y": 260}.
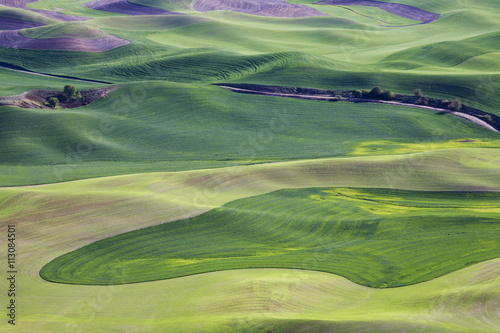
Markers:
{"x": 125, "y": 7}
{"x": 13, "y": 39}
{"x": 405, "y": 11}
{"x": 274, "y": 8}
{"x": 36, "y": 99}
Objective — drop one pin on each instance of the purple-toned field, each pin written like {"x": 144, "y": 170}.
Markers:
{"x": 47, "y": 13}
{"x": 16, "y": 3}
{"x": 14, "y": 24}
{"x": 125, "y": 7}
{"x": 274, "y": 8}
{"x": 405, "y": 11}
{"x": 13, "y": 39}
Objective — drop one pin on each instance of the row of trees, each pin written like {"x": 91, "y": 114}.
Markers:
{"x": 417, "y": 98}
{"x": 454, "y": 105}
{"x": 375, "y": 93}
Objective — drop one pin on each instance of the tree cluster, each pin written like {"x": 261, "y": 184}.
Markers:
{"x": 377, "y": 93}
{"x": 417, "y": 98}
{"x": 69, "y": 94}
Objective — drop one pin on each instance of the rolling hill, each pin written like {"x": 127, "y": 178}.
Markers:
{"x": 174, "y": 204}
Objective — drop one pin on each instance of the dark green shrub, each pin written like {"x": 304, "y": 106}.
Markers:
{"x": 387, "y": 95}
{"x": 375, "y": 92}
{"x": 357, "y": 94}
{"x": 70, "y": 91}
{"x": 53, "y": 102}
{"x": 455, "y": 105}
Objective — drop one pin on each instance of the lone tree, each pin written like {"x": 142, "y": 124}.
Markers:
{"x": 418, "y": 93}
{"x": 53, "y": 102}
{"x": 70, "y": 90}
{"x": 71, "y": 93}
{"x": 375, "y": 92}
{"x": 455, "y": 105}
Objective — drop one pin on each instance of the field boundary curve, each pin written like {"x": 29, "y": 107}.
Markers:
{"x": 24, "y": 70}
{"x": 272, "y": 8}
{"x": 467, "y": 113}
{"x": 127, "y": 8}
{"x": 401, "y": 10}
{"x": 13, "y": 39}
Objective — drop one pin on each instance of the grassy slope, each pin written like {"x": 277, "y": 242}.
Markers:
{"x": 142, "y": 125}
{"x": 193, "y": 192}
{"x": 98, "y": 208}
{"x": 275, "y": 300}
{"x": 339, "y": 51}
{"x": 378, "y": 238}
{"x": 357, "y": 55}
{"x": 17, "y": 82}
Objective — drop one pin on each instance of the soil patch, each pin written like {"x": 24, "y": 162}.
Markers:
{"x": 125, "y": 7}
{"x": 13, "y": 39}
{"x": 274, "y": 8}
{"x": 405, "y": 11}
{"x": 37, "y": 99}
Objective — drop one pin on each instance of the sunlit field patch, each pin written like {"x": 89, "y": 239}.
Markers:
{"x": 375, "y": 237}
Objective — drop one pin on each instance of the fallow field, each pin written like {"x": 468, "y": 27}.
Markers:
{"x": 172, "y": 204}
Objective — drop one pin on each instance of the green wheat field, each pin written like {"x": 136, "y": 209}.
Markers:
{"x": 172, "y": 204}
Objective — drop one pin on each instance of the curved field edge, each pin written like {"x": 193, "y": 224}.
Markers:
{"x": 108, "y": 206}
{"x": 276, "y": 300}
{"x": 129, "y": 131}
{"x": 374, "y": 237}
{"x": 93, "y": 209}
{"x": 405, "y": 11}
{"x": 103, "y": 207}
{"x": 490, "y": 121}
